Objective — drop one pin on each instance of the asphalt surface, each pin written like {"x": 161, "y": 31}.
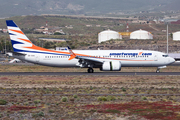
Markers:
{"x": 31, "y": 64}
{"x": 90, "y": 74}
{"x": 87, "y": 74}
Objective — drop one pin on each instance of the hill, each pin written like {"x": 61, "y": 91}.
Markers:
{"x": 91, "y": 7}
{"x": 172, "y": 6}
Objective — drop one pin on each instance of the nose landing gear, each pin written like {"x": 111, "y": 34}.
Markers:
{"x": 157, "y": 71}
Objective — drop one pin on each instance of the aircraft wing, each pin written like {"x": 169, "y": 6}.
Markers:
{"x": 88, "y": 62}
{"x": 90, "y": 59}
{"x": 85, "y": 61}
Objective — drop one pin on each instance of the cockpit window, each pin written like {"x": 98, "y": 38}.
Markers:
{"x": 165, "y": 55}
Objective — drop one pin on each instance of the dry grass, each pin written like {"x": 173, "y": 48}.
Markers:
{"x": 44, "y": 94}
{"x": 87, "y": 81}
{"x": 38, "y": 68}
{"x": 38, "y": 97}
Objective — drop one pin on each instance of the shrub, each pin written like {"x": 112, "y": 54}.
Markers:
{"x": 51, "y": 111}
{"x": 99, "y": 98}
{"x": 91, "y": 87}
{"x": 75, "y": 96}
{"x": 111, "y": 98}
{"x": 37, "y": 101}
{"x": 3, "y": 102}
{"x": 64, "y": 99}
{"x": 110, "y": 88}
{"x": 41, "y": 114}
{"x": 144, "y": 98}
{"x": 78, "y": 99}
{"x": 102, "y": 98}
{"x": 123, "y": 89}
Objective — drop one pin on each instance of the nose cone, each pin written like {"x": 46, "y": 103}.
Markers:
{"x": 172, "y": 60}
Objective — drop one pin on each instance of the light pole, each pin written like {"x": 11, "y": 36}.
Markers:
{"x": 167, "y": 23}
{"x": 167, "y": 38}
{"x": 5, "y": 47}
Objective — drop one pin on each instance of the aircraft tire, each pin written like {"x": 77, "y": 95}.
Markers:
{"x": 157, "y": 71}
{"x": 90, "y": 70}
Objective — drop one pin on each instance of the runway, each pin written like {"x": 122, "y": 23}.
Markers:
{"x": 85, "y": 73}
{"x": 89, "y": 74}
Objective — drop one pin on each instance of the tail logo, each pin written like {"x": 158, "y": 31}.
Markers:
{"x": 18, "y": 38}
{"x": 21, "y": 43}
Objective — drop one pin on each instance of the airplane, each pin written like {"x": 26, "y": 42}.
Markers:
{"x": 106, "y": 60}
{"x": 15, "y": 60}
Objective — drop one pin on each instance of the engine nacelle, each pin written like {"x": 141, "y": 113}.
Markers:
{"x": 111, "y": 66}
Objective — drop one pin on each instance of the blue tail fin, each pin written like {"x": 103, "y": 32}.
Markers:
{"x": 18, "y": 39}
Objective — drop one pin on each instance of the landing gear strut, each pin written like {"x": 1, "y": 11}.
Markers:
{"x": 157, "y": 71}
{"x": 90, "y": 70}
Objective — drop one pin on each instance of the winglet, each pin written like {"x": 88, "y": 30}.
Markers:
{"x": 72, "y": 54}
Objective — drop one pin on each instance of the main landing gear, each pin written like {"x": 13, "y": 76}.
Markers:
{"x": 90, "y": 70}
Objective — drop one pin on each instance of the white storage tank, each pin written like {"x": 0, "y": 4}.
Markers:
{"x": 141, "y": 34}
{"x": 108, "y": 35}
{"x": 176, "y": 35}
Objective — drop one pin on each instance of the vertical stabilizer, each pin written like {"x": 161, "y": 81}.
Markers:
{"x": 18, "y": 39}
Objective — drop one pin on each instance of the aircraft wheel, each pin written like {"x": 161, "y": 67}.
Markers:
{"x": 157, "y": 71}
{"x": 90, "y": 70}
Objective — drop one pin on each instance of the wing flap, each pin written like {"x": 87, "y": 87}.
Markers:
{"x": 89, "y": 59}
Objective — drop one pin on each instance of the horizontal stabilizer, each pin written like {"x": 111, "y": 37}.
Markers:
{"x": 16, "y": 53}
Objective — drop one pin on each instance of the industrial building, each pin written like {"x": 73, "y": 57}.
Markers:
{"x": 141, "y": 34}
{"x": 176, "y": 36}
{"x": 108, "y": 35}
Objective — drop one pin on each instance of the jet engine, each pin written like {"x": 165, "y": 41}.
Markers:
{"x": 111, "y": 66}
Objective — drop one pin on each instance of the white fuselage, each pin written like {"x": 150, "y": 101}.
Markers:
{"x": 128, "y": 58}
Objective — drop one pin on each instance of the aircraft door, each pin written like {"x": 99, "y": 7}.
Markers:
{"x": 37, "y": 58}
{"x": 155, "y": 57}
